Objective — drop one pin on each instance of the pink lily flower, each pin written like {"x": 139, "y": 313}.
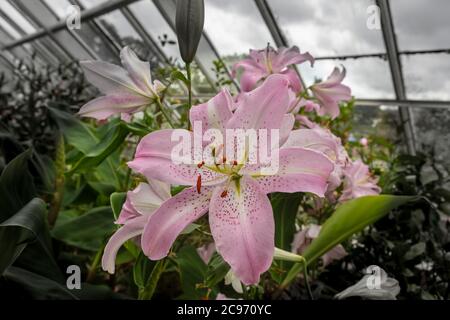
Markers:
{"x": 240, "y": 214}
{"x": 140, "y": 204}
{"x": 358, "y": 181}
{"x": 330, "y": 92}
{"x": 303, "y": 239}
{"x": 321, "y": 139}
{"x": 127, "y": 90}
{"x": 262, "y": 63}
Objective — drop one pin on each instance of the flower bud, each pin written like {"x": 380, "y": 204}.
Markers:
{"x": 190, "y": 16}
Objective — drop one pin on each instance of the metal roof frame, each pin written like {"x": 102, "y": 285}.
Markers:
{"x": 387, "y": 27}
{"x": 207, "y": 51}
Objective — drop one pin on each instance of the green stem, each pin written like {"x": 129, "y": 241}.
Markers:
{"x": 147, "y": 292}
{"x": 188, "y": 71}
{"x": 95, "y": 263}
{"x": 305, "y": 274}
{"x": 163, "y": 111}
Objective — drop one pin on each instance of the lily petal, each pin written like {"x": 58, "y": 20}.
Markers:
{"x": 171, "y": 218}
{"x": 264, "y": 107}
{"x": 300, "y": 170}
{"x": 145, "y": 198}
{"x": 131, "y": 229}
{"x": 109, "y": 78}
{"x": 103, "y": 107}
{"x": 310, "y": 139}
{"x": 243, "y": 228}
{"x": 138, "y": 70}
{"x": 287, "y": 56}
{"x": 215, "y": 113}
{"x": 154, "y": 160}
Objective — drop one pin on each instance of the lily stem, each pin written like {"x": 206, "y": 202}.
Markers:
{"x": 305, "y": 274}
{"x": 188, "y": 72}
{"x": 163, "y": 111}
{"x": 95, "y": 263}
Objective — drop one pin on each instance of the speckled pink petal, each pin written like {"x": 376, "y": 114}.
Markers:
{"x": 242, "y": 225}
{"x": 131, "y": 229}
{"x": 153, "y": 159}
{"x": 300, "y": 170}
{"x": 103, "y": 107}
{"x": 215, "y": 113}
{"x": 264, "y": 107}
{"x": 171, "y": 218}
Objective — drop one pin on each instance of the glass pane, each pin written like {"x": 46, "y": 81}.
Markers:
{"x": 421, "y": 25}
{"x": 118, "y": 26}
{"x": 433, "y": 126}
{"x": 367, "y": 77}
{"x": 150, "y": 18}
{"x": 17, "y": 17}
{"x": 235, "y": 26}
{"x": 91, "y": 3}
{"x": 325, "y": 27}
{"x": 92, "y": 39}
{"x": 7, "y": 32}
{"x": 427, "y": 76}
{"x": 382, "y": 121}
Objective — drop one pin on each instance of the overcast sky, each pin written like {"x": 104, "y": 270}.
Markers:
{"x": 325, "y": 27}
{"x": 322, "y": 27}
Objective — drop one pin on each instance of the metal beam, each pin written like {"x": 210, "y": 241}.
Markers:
{"x": 100, "y": 31}
{"x": 205, "y": 52}
{"x": 86, "y": 16}
{"x": 390, "y": 41}
{"x": 417, "y": 104}
{"x": 384, "y": 55}
{"x": 276, "y": 32}
{"x": 75, "y": 35}
{"x": 147, "y": 38}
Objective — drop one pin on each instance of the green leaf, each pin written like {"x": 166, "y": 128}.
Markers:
{"x": 349, "y": 218}
{"x": 16, "y": 186}
{"x": 88, "y": 231}
{"x": 77, "y": 133}
{"x": 147, "y": 292}
{"x": 117, "y": 200}
{"x": 19, "y": 230}
{"x": 178, "y": 75}
{"x": 99, "y": 152}
{"x": 217, "y": 270}
{"x": 38, "y": 287}
{"x": 142, "y": 271}
{"x": 192, "y": 272}
{"x": 95, "y": 144}
{"x": 285, "y": 209}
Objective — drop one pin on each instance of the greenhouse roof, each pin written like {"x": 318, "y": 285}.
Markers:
{"x": 402, "y": 61}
